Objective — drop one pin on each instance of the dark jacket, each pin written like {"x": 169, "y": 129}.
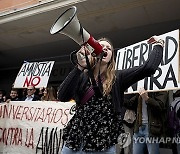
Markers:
{"x": 13, "y": 99}
{"x": 157, "y": 112}
{"x": 1, "y": 100}
{"x": 35, "y": 98}
{"x": 74, "y": 84}
{"x": 178, "y": 113}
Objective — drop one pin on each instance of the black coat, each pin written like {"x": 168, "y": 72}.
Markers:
{"x": 35, "y": 98}
{"x": 72, "y": 86}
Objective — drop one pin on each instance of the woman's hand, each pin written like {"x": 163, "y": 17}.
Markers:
{"x": 144, "y": 94}
{"x": 156, "y": 40}
{"x": 8, "y": 100}
{"x": 81, "y": 57}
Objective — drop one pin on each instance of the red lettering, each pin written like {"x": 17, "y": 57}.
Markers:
{"x": 33, "y": 81}
{"x": 61, "y": 114}
{"x": 27, "y": 82}
{"x": 11, "y": 136}
{"x": 66, "y": 112}
{"x": 30, "y": 139}
{"x": 37, "y": 114}
{"x": 31, "y": 117}
{"x": 41, "y": 116}
{"x": 37, "y": 81}
{"x": 15, "y": 110}
{"x": 5, "y": 113}
{"x": 1, "y": 135}
{"x": 48, "y": 114}
{"x": 19, "y": 112}
{"x": 4, "y": 136}
{"x": 53, "y": 115}
{"x": 25, "y": 110}
{"x": 1, "y": 112}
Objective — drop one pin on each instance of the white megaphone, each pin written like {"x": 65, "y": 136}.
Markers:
{"x": 68, "y": 24}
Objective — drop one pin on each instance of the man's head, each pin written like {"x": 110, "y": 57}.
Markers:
{"x": 2, "y": 93}
{"x": 14, "y": 93}
{"x": 30, "y": 90}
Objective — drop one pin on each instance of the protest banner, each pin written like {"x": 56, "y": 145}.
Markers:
{"x": 166, "y": 76}
{"x": 34, "y": 73}
{"x": 33, "y": 127}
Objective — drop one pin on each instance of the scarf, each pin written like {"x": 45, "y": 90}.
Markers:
{"x": 139, "y": 111}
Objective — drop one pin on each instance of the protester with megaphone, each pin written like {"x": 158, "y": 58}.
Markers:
{"x": 97, "y": 123}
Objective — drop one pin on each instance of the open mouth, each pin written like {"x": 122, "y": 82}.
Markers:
{"x": 105, "y": 55}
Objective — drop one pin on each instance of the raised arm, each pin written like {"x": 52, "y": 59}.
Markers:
{"x": 69, "y": 86}
{"x": 132, "y": 75}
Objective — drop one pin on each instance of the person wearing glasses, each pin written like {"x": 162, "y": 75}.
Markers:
{"x": 31, "y": 94}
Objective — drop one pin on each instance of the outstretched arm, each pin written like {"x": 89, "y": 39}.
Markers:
{"x": 132, "y": 75}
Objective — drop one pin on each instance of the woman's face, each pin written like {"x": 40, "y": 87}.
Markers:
{"x": 107, "y": 48}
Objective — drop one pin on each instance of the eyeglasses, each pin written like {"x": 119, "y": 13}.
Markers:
{"x": 30, "y": 89}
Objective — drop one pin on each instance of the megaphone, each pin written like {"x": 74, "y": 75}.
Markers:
{"x": 68, "y": 24}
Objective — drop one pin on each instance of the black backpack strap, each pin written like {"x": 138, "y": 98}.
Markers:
{"x": 176, "y": 105}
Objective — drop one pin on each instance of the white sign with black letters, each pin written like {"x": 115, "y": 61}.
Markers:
{"x": 34, "y": 73}
{"x": 166, "y": 76}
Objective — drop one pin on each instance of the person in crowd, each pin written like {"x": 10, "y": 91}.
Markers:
{"x": 2, "y": 96}
{"x": 176, "y": 97}
{"x": 31, "y": 94}
{"x": 49, "y": 94}
{"x": 176, "y": 104}
{"x": 99, "y": 94}
{"x": 41, "y": 92}
{"x": 13, "y": 96}
{"x": 128, "y": 123}
{"x": 150, "y": 122}
{"x": 24, "y": 92}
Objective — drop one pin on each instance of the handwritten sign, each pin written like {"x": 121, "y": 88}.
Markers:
{"x": 33, "y": 127}
{"x": 34, "y": 73}
{"x": 166, "y": 76}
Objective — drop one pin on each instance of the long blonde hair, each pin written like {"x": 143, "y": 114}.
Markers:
{"x": 110, "y": 72}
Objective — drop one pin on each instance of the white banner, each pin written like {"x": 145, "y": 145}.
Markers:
{"x": 166, "y": 76}
{"x": 34, "y": 73}
{"x": 33, "y": 127}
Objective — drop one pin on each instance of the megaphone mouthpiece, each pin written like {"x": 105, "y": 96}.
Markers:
{"x": 94, "y": 47}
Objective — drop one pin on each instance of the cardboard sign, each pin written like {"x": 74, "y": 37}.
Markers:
{"x": 33, "y": 127}
{"x": 34, "y": 73}
{"x": 166, "y": 76}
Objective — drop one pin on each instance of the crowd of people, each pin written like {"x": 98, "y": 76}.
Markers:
{"x": 31, "y": 93}
{"x": 102, "y": 111}
{"x": 150, "y": 118}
